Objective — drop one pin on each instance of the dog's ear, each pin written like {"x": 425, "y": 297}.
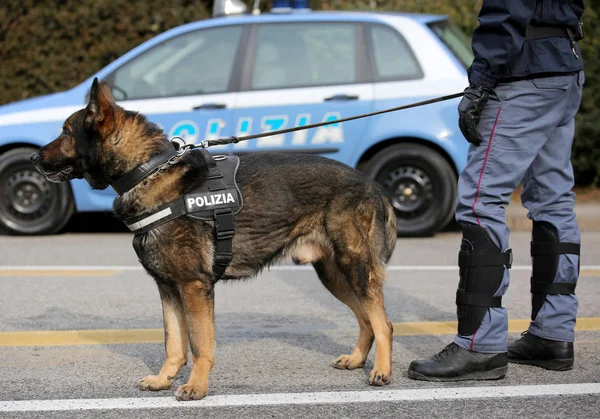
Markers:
{"x": 105, "y": 95}
{"x": 100, "y": 104}
{"x": 91, "y": 112}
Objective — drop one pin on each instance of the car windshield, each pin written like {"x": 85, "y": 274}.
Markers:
{"x": 455, "y": 40}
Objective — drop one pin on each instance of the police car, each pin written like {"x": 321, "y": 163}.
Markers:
{"x": 245, "y": 73}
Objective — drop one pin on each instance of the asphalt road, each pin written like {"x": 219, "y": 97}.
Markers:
{"x": 276, "y": 334}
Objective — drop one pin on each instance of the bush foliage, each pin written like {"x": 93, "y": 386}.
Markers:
{"x": 48, "y": 46}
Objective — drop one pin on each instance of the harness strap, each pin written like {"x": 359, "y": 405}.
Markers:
{"x": 214, "y": 179}
{"x": 135, "y": 176}
{"x": 224, "y": 231}
{"x": 161, "y": 215}
{"x": 224, "y": 224}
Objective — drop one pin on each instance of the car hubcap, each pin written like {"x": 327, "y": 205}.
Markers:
{"x": 410, "y": 190}
{"x": 28, "y": 195}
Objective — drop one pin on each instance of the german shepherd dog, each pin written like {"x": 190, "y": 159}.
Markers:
{"x": 307, "y": 208}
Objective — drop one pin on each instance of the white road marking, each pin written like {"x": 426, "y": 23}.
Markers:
{"x": 273, "y": 268}
{"x": 70, "y": 268}
{"x": 335, "y": 397}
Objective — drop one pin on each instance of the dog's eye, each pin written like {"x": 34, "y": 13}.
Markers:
{"x": 66, "y": 131}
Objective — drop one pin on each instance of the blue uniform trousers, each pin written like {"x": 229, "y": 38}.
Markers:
{"x": 527, "y": 129}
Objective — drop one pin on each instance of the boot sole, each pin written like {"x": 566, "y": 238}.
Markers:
{"x": 494, "y": 374}
{"x": 548, "y": 364}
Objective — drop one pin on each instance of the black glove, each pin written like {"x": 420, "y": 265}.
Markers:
{"x": 469, "y": 111}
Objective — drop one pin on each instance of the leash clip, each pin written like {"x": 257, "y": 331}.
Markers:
{"x": 181, "y": 146}
{"x": 178, "y": 142}
{"x": 175, "y": 158}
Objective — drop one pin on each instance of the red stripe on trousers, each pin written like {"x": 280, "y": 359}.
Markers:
{"x": 487, "y": 154}
{"x": 473, "y": 341}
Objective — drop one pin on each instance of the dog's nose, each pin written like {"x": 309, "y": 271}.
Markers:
{"x": 35, "y": 156}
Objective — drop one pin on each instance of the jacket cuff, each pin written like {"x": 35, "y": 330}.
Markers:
{"x": 477, "y": 78}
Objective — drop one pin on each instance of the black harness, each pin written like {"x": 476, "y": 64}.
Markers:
{"x": 218, "y": 199}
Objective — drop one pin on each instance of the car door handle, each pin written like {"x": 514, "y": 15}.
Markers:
{"x": 210, "y": 106}
{"x": 341, "y": 97}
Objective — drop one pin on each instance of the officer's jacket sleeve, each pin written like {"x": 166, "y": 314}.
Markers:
{"x": 499, "y": 38}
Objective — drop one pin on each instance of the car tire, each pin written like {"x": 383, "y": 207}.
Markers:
{"x": 30, "y": 204}
{"x": 420, "y": 184}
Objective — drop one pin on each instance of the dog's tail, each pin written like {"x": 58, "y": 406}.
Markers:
{"x": 391, "y": 232}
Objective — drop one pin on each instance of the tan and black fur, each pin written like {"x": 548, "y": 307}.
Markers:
{"x": 307, "y": 208}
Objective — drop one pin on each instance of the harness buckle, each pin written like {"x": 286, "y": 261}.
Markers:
{"x": 225, "y": 235}
{"x": 224, "y": 224}
{"x": 223, "y": 258}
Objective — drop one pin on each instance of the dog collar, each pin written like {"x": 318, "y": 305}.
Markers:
{"x": 126, "y": 182}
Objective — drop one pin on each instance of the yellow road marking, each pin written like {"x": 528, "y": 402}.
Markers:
{"x": 590, "y": 272}
{"x": 81, "y": 337}
{"x": 59, "y": 272}
{"x": 133, "y": 336}
{"x": 449, "y": 328}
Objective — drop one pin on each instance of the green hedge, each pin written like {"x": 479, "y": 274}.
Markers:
{"x": 48, "y": 46}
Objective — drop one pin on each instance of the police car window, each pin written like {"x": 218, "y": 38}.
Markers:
{"x": 455, "y": 40}
{"x": 199, "y": 62}
{"x": 394, "y": 60}
{"x": 304, "y": 54}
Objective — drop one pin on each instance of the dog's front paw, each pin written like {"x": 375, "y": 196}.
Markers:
{"x": 348, "y": 362}
{"x": 191, "y": 392}
{"x": 154, "y": 383}
{"x": 379, "y": 377}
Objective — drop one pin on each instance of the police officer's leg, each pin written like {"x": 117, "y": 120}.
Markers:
{"x": 554, "y": 248}
{"x": 513, "y": 131}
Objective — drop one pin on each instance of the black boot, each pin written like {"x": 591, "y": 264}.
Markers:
{"x": 548, "y": 354}
{"x": 454, "y": 363}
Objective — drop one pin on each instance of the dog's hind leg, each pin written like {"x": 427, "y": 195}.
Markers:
{"x": 358, "y": 241}
{"x": 198, "y": 302}
{"x": 369, "y": 292}
{"x": 337, "y": 284}
{"x": 382, "y": 327}
{"x": 176, "y": 340}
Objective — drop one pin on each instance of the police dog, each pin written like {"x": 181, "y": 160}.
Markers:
{"x": 307, "y": 208}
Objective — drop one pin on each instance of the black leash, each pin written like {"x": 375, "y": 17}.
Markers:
{"x": 178, "y": 146}
{"x": 234, "y": 139}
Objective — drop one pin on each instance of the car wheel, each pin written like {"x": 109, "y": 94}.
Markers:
{"x": 420, "y": 184}
{"x": 30, "y": 204}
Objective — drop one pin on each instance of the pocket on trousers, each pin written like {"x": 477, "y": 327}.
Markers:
{"x": 555, "y": 82}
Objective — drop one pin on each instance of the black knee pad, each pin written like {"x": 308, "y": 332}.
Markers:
{"x": 545, "y": 253}
{"x": 481, "y": 266}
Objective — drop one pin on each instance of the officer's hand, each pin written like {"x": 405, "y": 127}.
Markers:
{"x": 469, "y": 111}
